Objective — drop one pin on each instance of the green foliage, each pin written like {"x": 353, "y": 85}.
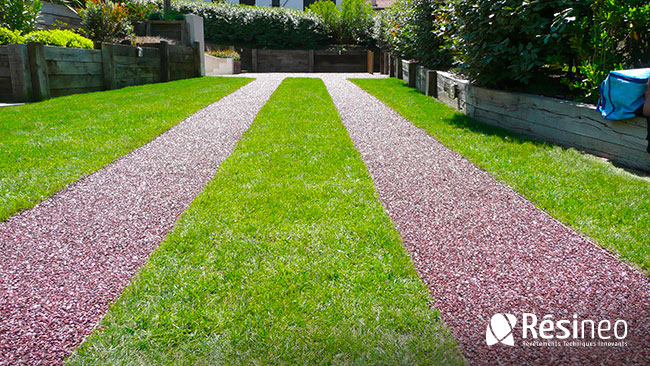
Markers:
{"x": 105, "y": 21}
{"x": 609, "y": 35}
{"x": 7, "y": 36}
{"x": 19, "y": 15}
{"x": 61, "y": 38}
{"x": 54, "y": 37}
{"x": 257, "y": 27}
{"x": 225, "y": 54}
{"x": 506, "y": 42}
{"x": 416, "y": 29}
{"x": 139, "y": 9}
{"x": 351, "y": 25}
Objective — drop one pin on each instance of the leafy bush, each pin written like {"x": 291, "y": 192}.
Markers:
{"x": 19, "y": 15}
{"x": 138, "y": 9}
{"x": 257, "y": 27}
{"x": 607, "y": 35}
{"x": 350, "y": 25}
{"x": 508, "y": 42}
{"x": 105, "y": 21}
{"x": 417, "y": 29}
{"x": 61, "y": 38}
{"x": 225, "y": 54}
{"x": 7, "y": 36}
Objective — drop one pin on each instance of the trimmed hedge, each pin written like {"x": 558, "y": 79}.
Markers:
{"x": 416, "y": 29}
{"x": 257, "y": 27}
{"x": 54, "y": 37}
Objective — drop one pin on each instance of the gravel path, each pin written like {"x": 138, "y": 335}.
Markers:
{"x": 66, "y": 259}
{"x": 483, "y": 249}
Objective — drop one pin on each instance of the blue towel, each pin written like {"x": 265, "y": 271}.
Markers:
{"x": 622, "y": 93}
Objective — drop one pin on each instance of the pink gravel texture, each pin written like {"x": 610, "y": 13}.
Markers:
{"x": 66, "y": 259}
{"x": 483, "y": 249}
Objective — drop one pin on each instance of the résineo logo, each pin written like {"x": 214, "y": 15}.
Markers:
{"x": 551, "y": 332}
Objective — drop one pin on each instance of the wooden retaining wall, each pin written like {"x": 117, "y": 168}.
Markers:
{"x": 562, "y": 122}
{"x": 5, "y": 75}
{"x": 35, "y": 72}
{"x": 264, "y": 60}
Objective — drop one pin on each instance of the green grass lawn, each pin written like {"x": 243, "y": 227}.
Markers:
{"x": 47, "y": 145}
{"x": 286, "y": 257}
{"x": 607, "y": 204}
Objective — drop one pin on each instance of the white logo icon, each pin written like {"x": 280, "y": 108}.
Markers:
{"x": 500, "y": 329}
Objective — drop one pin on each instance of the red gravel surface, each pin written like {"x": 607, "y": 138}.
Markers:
{"x": 483, "y": 249}
{"x": 66, "y": 259}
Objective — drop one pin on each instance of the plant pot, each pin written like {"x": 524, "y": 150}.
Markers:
{"x": 237, "y": 67}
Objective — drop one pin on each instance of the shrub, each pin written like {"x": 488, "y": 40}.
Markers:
{"x": 138, "y": 9}
{"x": 257, "y": 27}
{"x": 225, "y": 54}
{"x": 350, "y": 25}
{"x": 7, "y": 36}
{"x": 608, "y": 35}
{"x": 61, "y": 38}
{"x": 417, "y": 29}
{"x": 105, "y": 21}
{"x": 19, "y": 15}
{"x": 507, "y": 42}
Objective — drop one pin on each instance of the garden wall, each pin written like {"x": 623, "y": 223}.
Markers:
{"x": 35, "y": 72}
{"x": 5, "y": 75}
{"x": 558, "y": 121}
{"x": 265, "y": 60}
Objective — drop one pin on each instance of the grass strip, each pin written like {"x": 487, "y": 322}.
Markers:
{"x": 286, "y": 257}
{"x": 47, "y": 145}
{"x": 605, "y": 203}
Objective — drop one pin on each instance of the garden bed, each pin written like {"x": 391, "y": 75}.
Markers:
{"x": 558, "y": 121}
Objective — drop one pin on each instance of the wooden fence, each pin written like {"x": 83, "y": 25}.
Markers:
{"x": 566, "y": 123}
{"x": 36, "y": 72}
{"x": 265, "y": 60}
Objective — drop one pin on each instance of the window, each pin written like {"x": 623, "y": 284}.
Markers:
{"x": 275, "y": 3}
{"x": 247, "y": 2}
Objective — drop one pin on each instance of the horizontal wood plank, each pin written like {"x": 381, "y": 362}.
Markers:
{"x": 175, "y": 49}
{"x": 72, "y": 54}
{"x": 73, "y": 68}
{"x": 145, "y": 61}
{"x": 75, "y": 81}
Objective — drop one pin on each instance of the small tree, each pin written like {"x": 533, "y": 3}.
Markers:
{"x": 350, "y": 25}
{"x": 19, "y": 15}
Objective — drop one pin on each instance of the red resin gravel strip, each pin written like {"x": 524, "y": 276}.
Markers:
{"x": 66, "y": 259}
{"x": 483, "y": 249}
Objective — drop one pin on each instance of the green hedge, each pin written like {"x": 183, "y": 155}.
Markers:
{"x": 414, "y": 29}
{"x": 257, "y": 27}
{"x": 555, "y": 46}
{"x": 55, "y": 37}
